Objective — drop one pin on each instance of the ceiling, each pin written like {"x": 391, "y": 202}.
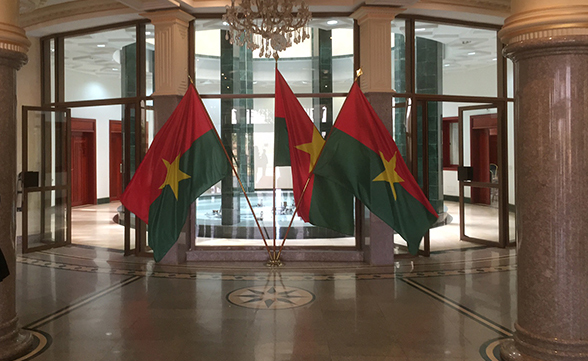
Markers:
{"x": 99, "y": 53}
{"x": 464, "y": 48}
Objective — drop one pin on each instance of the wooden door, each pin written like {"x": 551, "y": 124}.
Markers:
{"x": 115, "y": 160}
{"x": 83, "y": 161}
{"x": 483, "y": 152}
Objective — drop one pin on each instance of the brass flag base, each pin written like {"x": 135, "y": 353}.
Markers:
{"x": 274, "y": 262}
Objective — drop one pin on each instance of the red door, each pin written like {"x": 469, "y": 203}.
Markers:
{"x": 115, "y": 160}
{"x": 83, "y": 161}
{"x": 483, "y": 152}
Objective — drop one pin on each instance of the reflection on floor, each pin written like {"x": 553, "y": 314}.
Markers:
{"x": 96, "y": 305}
{"x": 94, "y": 226}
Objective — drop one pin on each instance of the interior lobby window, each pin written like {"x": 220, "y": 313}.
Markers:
{"x": 149, "y": 58}
{"x": 101, "y": 65}
{"x": 321, "y": 64}
{"x": 398, "y": 45}
{"x": 450, "y": 143}
{"x": 455, "y": 60}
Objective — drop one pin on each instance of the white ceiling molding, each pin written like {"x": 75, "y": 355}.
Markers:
{"x": 489, "y": 7}
{"x": 150, "y": 5}
{"x": 61, "y": 13}
{"x": 395, "y": 3}
{"x": 26, "y": 6}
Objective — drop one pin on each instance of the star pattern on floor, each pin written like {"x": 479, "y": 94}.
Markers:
{"x": 270, "y": 297}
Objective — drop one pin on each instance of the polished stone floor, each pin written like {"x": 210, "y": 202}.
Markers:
{"x": 87, "y": 303}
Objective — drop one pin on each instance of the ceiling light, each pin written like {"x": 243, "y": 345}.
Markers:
{"x": 225, "y": 23}
{"x": 472, "y": 53}
{"x": 101, "y": 45}
{"x": 446, "y": 65}
{"x": 494, "y": 59}
{"x": 115, "y": 69}
{"x": 420, "y": 29}
{"x": 332, "y": 22}
{"x": 147, "y": 33}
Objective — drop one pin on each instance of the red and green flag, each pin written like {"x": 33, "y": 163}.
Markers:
{"x": 298, "y": 144}
{"x": 185, "y": 159}
{"x": 361, "y": 156}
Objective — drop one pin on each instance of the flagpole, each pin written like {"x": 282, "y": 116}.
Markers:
{"x": 358, "y": 73}
{"x": 274, "y": 196}
{"x": 274, "y": 261}
{"x": 274, "y": 208}
{"x": 234, "y": 172}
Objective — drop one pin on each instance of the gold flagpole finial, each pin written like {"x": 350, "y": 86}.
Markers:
{"x": 191, "y": 81}
{"x": 358, "y": 73}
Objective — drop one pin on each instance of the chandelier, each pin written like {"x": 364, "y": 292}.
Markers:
{"x": 268, "y": 25}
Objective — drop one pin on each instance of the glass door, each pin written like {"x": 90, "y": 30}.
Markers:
{"x": 479, "y": 175}
{"x": 45, "y": 180}
{"x": 134, "y": 146}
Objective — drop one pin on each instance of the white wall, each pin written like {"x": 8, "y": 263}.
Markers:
{"x": 79, "y": 85}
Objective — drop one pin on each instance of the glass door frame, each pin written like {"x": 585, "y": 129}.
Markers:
{"x": 139, "y": 246}
{"x": 41, "y": 188}
{"x": 501, "y": 186}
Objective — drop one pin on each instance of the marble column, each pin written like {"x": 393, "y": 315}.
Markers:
{"x": 548, "y": 43}
{"x": 13, "y": 47}
{"x": 171, "y": 82}
{"x": 375, "y": 33}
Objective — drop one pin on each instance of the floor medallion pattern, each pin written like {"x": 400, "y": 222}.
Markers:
{"x": 270, "y": 297}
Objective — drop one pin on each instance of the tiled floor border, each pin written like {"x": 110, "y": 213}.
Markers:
{"x": 283, "y": 275}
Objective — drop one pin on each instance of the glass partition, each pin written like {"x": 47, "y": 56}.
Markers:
{"x": 398, "y": 40}
{"x": 44, "y": 180}
{"x": 455, "y": 60}
{"x": 223, "y": 217}
{"x": 101, "y": 65}
{"x": 321, "y": 64}
{"x": 479, "y": 173}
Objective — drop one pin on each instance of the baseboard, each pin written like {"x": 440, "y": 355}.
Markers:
{"x": 103, "y": 200}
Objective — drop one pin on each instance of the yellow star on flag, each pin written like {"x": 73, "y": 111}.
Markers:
{"x": 313, "y": 148}
{"x": 389, "y": 174}
{"x": 174, "y": 175}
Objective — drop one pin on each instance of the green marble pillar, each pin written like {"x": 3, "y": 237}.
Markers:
{"x": 128, "y": 78}
{"x": 322, "y": 80}
{"x": 236, "y": 127}
{"x": 429, "y": 80}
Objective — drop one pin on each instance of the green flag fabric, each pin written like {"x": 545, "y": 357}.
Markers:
{"x": 185, "y": 159}
{"x": 361, "y": 156}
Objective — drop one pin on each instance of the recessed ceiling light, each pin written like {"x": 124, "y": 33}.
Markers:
{"x": 225, "y": 23}
{"x": 101, "y": 45}
{"x": 332, "y": 22}
{"x": 494, "y": 59}
{"x": 147, "y": 33}
{"x": 446, "y": 65}
{"x": 420, "y": 29}
{"x": 472, "y": 53}
{"x": 115, "y": 69}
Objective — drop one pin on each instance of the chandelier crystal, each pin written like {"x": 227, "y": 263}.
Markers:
{"x": 268, "y": 25}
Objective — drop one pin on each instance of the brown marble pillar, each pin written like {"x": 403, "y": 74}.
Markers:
{"x": 375, "y": 33}
{"x": 549, "y": 47}
{"x": 13, "y": 47}
{"x": 171, "y": 82}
